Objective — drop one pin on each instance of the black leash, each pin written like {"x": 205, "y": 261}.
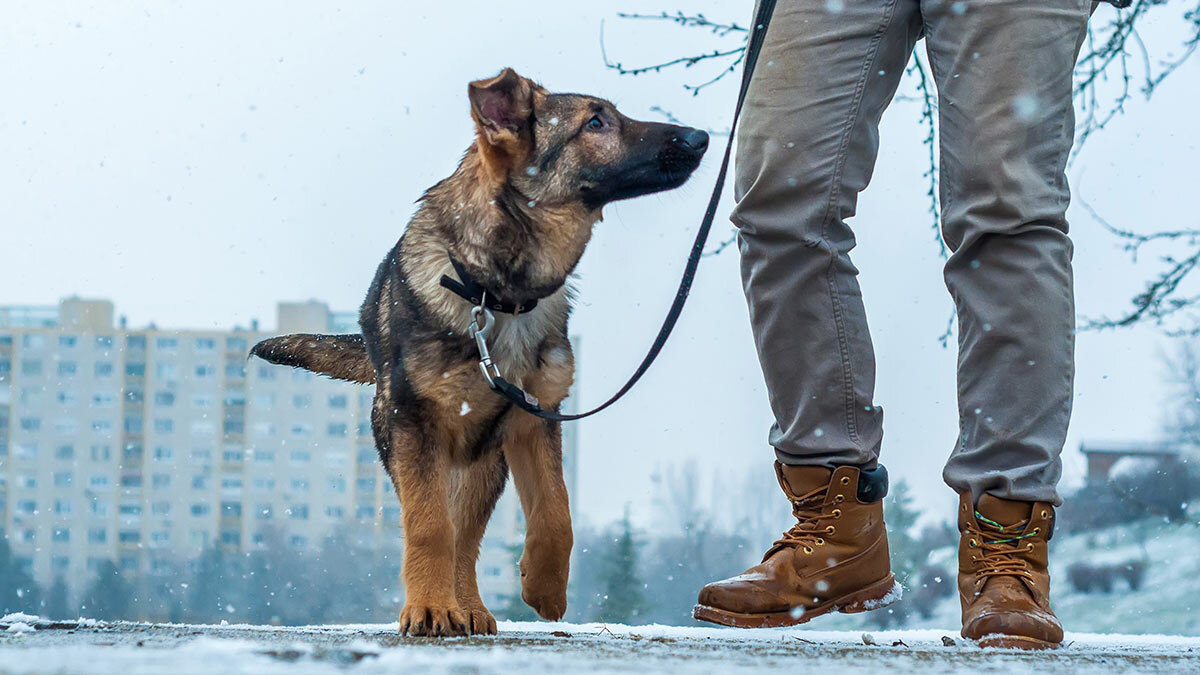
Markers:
{"x": 529, "y": 403}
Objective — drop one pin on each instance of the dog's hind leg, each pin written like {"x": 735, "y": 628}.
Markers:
{"x": 533, "y": 449}
{"x": 474, "y": 490}
{"x": 419, "y": 471}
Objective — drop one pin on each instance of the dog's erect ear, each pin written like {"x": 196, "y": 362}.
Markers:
{"x": 503, "y": 110}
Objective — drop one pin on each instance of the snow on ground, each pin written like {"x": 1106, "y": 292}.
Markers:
{"x": 533, "y": 648}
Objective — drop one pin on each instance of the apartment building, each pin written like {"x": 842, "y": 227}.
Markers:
{"x": 144, "y": 446}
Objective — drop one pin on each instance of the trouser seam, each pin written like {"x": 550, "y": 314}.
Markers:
{"x": 834, "y": 195}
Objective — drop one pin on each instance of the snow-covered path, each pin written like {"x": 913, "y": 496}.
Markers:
{"x": 179, "y": 649}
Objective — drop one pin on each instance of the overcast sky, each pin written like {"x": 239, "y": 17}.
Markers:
{"x": 197, "y": 162}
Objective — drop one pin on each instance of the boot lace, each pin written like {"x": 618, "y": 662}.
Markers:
{"x": 808, "y": 532}
{"x": 999, "y": 546}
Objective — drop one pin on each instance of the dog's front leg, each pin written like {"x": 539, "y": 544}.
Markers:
{"x": 533, "y": 449}
{"x": 418, "y": 470}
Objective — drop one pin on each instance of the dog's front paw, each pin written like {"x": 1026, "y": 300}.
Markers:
{"x": 429, "y": 621}
{"x": 544, "y": 590}
{"x": 480, "y": 621}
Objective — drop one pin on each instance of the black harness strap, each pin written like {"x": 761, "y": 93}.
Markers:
{"x": 467, "y": 288}
{"x": 528, "y": 403}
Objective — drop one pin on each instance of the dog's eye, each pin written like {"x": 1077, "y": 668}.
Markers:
{"x": 595, "y": 124}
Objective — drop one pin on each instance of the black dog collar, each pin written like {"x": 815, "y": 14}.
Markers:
{"x": 467, "y": 288}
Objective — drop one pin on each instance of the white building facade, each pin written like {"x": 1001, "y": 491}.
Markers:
{"x": 144, "y": 446}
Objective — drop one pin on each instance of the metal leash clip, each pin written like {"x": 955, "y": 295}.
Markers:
{"x": 480, "y": 332}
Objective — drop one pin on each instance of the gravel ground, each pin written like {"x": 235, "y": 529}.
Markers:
{"x": 132, "y": 648}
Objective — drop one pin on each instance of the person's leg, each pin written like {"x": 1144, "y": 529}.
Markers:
{"x": 806, "y": 147}
{"x": 1004, "y": 74}
{"x": 807, "y": 144}
{"x": 1003, "y": 70}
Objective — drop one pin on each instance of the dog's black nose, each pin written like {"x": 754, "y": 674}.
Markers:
{"x": 696, "y": 139}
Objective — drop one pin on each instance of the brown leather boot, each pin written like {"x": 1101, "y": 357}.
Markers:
{"x": 1002, "y": 577}
{"x": 835, "y": 558}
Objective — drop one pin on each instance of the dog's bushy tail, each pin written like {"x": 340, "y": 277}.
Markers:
{"x": 343, "y": 357}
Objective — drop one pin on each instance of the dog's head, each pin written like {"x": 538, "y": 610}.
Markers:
{"x": 571, "y": 148}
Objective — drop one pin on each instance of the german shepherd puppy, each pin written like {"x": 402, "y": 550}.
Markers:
{"x": 515, "y": 216}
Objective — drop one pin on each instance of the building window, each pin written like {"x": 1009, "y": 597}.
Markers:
{"x": 160, "y": 508}
{"x": 103, "y": 369}
{"x": 130, "y": 510}
{"x": 233, "y": 426}
{"x": 301, "y": 457}
{"x": 97, "y": 535}
{"x": 300, "y": 401}
{"x": 161, "y": 480}
{"x": 62, "y": 479}
{"x": 298, "y": 512}
{"x": 302, "y": 429}
{"x": 25, "y": 451}
{"x": 235, "y": 344}
{"x": 103, "y": 399}
{"x": 298, "y": 541}
{"x": 98, "y": 482}
{"x": 160, "y": 538}
{"x": 266, "y": 373}
{"x": 129, "y": 536}
{"x": 100, "y": 453}
{"x": 135, "y": 369}
{"x": 99, "y": 508}
{"x": 200, "y": 510}
{"x": 164, "y": 398}
{"x": 135, "y": 396}
{"x": 164, "y": 426}
{"x": 235, "y": 370}
{"x": 199, "y": 482}
{"x": 231, "y": 509}
{"x": 364, "y": 513}
{"x": 133, "y": 424}
{"x": 102, "y": 426}
{"x": 132, "y": 453}
{"x": 264, "y": 456}
{"x": 162, "y": 454}
{"x": 232, "y": 456}
{"x": 5, "y": 367}
{"x": 337, "y": 401}
{"x": 167, "y": 371}
{"x": 206, "y": 370}
{"x": 264, "y": 484}
{"x": 66, "y": 368}
{"x": 104, "y": 342}
{"x": 31, "y": 367}
{"x": 337, "y": 485}
{"x": 335, "y": 512}
{"x": 62, "y": 507}
{"x": 337, "y": 430}
{"x": 131, "y": 480}
{"x": 231, "y": 483}
{"x": 64, "y": 426}
{"x": 300, "y": 484}
{"x": 61, "y": 535}
{"x": 201, "y": 456}
{"x": 262, "y": 511}
{"x": 33, "y": 341}
{"x": 166, "y": 343}
{"x": 203, "y": 400}
{"x": 205, "y": 344}
{"x": 27, "y": 507}
{"x": 31, "y": 423}
{"x": 64, "y": 452}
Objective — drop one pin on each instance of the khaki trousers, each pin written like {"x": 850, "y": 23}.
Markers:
{"x": 808, "y": 140}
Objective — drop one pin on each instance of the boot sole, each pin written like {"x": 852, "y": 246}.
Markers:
{"x": 1016, "y": 642}
{"x": 876, "y": 596}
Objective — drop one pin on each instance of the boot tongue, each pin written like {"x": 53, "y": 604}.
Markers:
{"x": 1004, "y": 511}
{"x": 801, "y": 480}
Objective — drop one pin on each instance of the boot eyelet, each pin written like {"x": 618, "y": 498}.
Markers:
{"x": 973, "y": 544}
{"x": 820, "y": 541}
{"x": 845, "y": 480}
{"x": 1029, "y": 547}
{"x": 837, "y": 513}
{"x": 1045, "y": 514}
{"x": 838, "y": 499}
{"x": 1036, "y": 530}
{"x": 830, "y": 530}
{"x": 808, "y": 550}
